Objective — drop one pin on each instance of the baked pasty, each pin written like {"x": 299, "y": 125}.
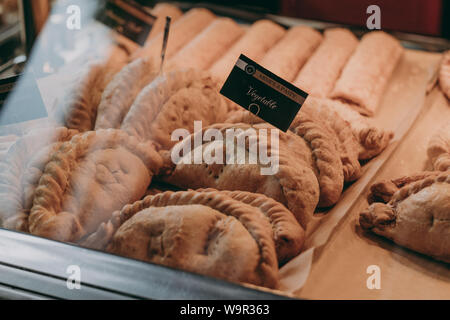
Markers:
{"x": 161, "y": 11}
{"x": 78, "y": 108}
{"x": 21, "y": 170}
{"x": 439, "y": 149}
{"x": 256, "y": 41}
{"x": 331, "y": 161}
{"x": 332, "y": 130}
{"x": 346, "y": 144}
{"x": 288, "y": 235}
{"x": 204, "y": 232}
{"x": 122, "y": 91}
{"x": 289, "y": 54}
{"x": 324, "y": 67}
{"x": 87, "y": 179}
{"x": 327, "y": 162}
{"x": 291, "y": 181}
{"x": 181, "y": 33}
{"x": 382, "y": 191}
{"x": 359, "y": 138}
{"x": 172, "y": 101}
{"x": 371, "y": 139}
{"x": 367, "y": 72}
{"x": 207, "y": 46}
{"x": 417, "y": 217}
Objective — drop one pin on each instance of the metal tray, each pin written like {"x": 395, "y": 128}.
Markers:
{"x": 36, "y": 268}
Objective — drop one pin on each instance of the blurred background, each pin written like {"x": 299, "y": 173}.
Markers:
{"x": 428, "y": 17}
{"x": 22, "y": 20}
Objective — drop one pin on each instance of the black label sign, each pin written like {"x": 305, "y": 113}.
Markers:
{"x": 127, "y": 18}
{"x": 263, "y": 93}
{"x": 20, "y": 100}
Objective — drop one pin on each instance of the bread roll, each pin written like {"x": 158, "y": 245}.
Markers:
{"x": 261, "y": 36}
{"x": 320, "y": 73}
{"x": 287, "y": 57}
{"x": 181, "y": 33}
{"x": 161, "y": 11}
{"x": 207, "y": 46}
{"x": 367, "y": 72}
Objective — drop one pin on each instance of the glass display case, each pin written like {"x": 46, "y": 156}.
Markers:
{"x": 113, "y": 121}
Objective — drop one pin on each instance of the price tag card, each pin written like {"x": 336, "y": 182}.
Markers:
{"x": 263, "y": 93}
{"x": 127, "y": 18}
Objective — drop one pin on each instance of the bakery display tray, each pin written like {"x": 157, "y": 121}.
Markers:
{"x": 36, "y": 268}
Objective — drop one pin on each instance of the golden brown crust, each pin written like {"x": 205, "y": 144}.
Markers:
{"x": 174, "y": 101}
{"x": 294, "y": 184}
{"x": 320, "y": 72}
{"x": 373, "y": 141}
{"x": 181, "y": 33}
{"x": 416, "y": 186}
{"x": 417, "y": 215}
{"x": 251, "y": 219}
{"x": 208, "y": 46}
{"x": 120, "y": 93}
{"x": 439, "y": 149}
{"x": 20, "y": 172}
{"x": 370, "y": 140}
{"x": 194, "y": 238}
{"x": 346, "y": 140}
{"x": 288, "y": 55}
{"x": 288, "y": 234}
{"x": 257, "y": 40}
{"x": 326, "y": 158}
{"x": 365, "y": 75}
{"x": 103, "y": 164}
{"x": 346, "y": 145}
{"x": 161, "y": 11}
{"x": 383, "y": 191}
{"x": 78, "y": 109}
{"x": 331, "y": 166}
